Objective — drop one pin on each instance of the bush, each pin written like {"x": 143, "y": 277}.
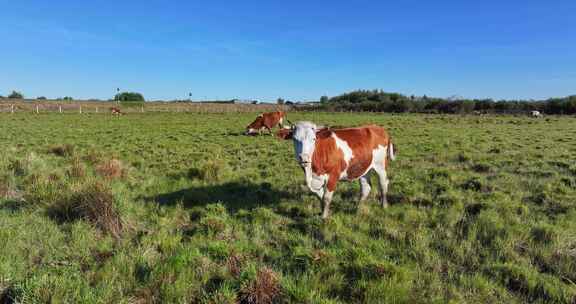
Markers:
{"x": 41, "y": 98}
{"x": 129, "y": 97}
{"x": 16, "y": 95}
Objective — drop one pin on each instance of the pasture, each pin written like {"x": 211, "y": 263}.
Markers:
{"x": 181, "y": 207}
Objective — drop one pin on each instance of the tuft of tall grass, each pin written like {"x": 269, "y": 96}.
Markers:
{"x": 64, "y": 150}
{"x": 112, "y": 169}
{"x": 263, "y": 289}
{"x": 93, "y": 202}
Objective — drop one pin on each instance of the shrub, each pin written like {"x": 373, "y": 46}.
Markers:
{"x": 41, "y": 98}
{"x": 16, "y": 95}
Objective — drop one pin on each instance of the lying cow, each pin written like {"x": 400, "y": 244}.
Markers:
{"x": 536, "y": 114}
{"x": 115, "y": 111}
{"x": 329, "y": 155}
{"x": 266, "y": 121}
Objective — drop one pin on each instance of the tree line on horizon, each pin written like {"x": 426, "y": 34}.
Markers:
{"x": 380, "y": 101}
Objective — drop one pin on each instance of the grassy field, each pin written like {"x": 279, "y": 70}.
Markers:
{"x": 180, "y": 207}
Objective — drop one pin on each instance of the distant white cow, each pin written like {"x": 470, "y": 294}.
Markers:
{"x": 536, "y": 114}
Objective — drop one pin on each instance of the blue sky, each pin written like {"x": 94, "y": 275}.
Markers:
{"x": 298, "y": 50}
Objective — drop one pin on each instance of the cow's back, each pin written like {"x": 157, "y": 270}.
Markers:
{"x": 363, "y": 141}
{"x": 272, "y": 119}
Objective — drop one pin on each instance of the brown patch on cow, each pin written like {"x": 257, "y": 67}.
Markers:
{"x": 329, "y": 159}
{"x": 267, "y": 120}
{"x": 285, "y": 134}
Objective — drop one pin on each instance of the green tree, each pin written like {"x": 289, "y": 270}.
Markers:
{"x": 129, "y": 96}
{"x": 16, "y": 95}
{"x": 280, "y": 101}
{"x": 324, "y": 99}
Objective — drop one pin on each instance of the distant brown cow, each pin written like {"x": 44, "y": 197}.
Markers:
{"x": 266, "y": 121}
{"x": 115, "y": 111}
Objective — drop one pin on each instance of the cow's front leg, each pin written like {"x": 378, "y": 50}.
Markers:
{"x": 329, "y": 192}
{"x": 326, "y": 200}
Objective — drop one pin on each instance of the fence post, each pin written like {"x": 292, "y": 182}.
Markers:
{"x": 96, "y": 109}
{"x": 12, "y": 109}
{"x": 80, "y": 109}
{"x": 37, "y": 109}
{"x": 142, "y": 109}
{"x": 60, "y": 108}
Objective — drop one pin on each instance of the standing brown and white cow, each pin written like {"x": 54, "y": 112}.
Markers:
{"x": 267, "y": 121}
{"x": 330, "y": 155}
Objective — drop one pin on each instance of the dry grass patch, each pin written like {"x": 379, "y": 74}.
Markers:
{"x": 112, "y": 169}
{"x": 265, "y": 289}
{"x": 77, "y": 169}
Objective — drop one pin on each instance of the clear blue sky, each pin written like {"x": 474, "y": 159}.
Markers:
{"x": 292, "y": 49}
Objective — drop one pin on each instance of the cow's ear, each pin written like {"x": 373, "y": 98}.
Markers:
{"x": 285, "y": 133}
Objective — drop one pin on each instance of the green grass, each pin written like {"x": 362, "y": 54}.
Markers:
{"x": 482, "y": 211}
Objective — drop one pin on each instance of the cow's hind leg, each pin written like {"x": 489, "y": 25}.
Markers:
{"x": 365, "y": 187}
{"x": 383, "y": 181}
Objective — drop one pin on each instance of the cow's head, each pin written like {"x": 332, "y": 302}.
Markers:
{"x": 255, "y": 126}
{"x": 303, "y": 134}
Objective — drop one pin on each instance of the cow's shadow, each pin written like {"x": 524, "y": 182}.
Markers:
{"x": 233, "y": 195}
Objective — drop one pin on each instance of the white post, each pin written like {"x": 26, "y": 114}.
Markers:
{"x": 80, "y": 109}
{"x": 142, "y": 109}
{"x": 60, "y": 108}
{"x": 96, "y": 109}
{"x": 12, "y": 109}
{"x": 37, "y": 109}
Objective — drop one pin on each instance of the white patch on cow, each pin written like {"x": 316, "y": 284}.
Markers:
{"x": 347, "y": 151}
{"x": 316, "y": 183}
{"x": 379, "y": 156}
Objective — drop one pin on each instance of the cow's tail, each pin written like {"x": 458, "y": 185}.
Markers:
{"x": 390, "y": 152}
